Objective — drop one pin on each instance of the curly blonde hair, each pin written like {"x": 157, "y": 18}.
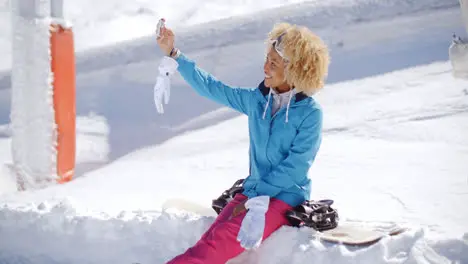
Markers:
{"x": 308, "y": 57}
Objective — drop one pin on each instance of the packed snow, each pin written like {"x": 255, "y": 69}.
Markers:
{"x": 394, "y": 150}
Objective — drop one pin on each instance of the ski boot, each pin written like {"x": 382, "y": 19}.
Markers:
{"x": 227, "y": 196}
{"x": 315, "y": 214}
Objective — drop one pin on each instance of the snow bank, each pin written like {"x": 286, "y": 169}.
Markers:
{"x": 57, "y": 232}
{"x": 60, "y": 233}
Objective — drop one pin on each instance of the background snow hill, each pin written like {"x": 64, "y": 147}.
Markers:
{"x": 394, "y": 150}
{"x": 100, "y": 23}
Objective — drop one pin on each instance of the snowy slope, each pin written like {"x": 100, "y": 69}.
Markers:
{"x": 104, "y": 22}
{"x": 395, "y": 146}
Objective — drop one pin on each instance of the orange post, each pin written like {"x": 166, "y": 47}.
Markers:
{"x": 64, "y": 89}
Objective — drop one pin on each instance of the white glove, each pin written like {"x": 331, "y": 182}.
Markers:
{"x": 253, "y": 225}
{"x": 162, "y": 88}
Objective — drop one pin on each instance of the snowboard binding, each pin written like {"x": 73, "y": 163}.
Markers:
{"x": 227, "y": 196}
{"x": 318, "y": 215}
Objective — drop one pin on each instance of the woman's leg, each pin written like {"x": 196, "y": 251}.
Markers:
{"x": 191, "y": 254}
{"x": 220, "y": 244}
{"x": 226, "y": 212}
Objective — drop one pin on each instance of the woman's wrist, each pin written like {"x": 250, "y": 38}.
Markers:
{"x": 174, "y": 53}
{"x": 168, "y": 53}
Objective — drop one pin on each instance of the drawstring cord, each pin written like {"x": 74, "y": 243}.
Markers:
{"x": 289, "y": 103}
{"x": 287, "y": 108}
{"x": 268, "y": 103}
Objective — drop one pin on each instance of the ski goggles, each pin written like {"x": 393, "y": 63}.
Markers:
{"x": 276, "y": 43}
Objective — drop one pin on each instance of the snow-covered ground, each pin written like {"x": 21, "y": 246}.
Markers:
{"x": 104, "y": 22}
{"x": 395, "y": 144}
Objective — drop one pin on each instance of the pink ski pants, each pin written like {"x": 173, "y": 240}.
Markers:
{"x": 219, "y": 243}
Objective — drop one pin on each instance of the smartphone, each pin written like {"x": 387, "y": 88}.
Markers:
{"x": 161, "y": 24}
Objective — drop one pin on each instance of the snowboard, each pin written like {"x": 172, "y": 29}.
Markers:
{"x": 348, "y": 232}
{"x": 358, "y": 234}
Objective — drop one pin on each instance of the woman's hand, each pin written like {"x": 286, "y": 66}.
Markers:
{"x": 166, "y": 40}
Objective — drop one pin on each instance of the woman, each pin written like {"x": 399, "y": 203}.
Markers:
{"x": 285, "y": 134}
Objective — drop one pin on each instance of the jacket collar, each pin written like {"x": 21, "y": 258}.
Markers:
{"x": 266, "y": 90}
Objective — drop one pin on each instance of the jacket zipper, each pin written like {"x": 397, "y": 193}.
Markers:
{"x": 269, "y": 130}
{"x": 270, "y": 124}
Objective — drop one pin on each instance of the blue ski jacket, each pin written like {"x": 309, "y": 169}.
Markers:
{"x": 282, "y": 147}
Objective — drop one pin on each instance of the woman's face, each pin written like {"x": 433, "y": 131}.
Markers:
{"x": 274, "y": 70}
